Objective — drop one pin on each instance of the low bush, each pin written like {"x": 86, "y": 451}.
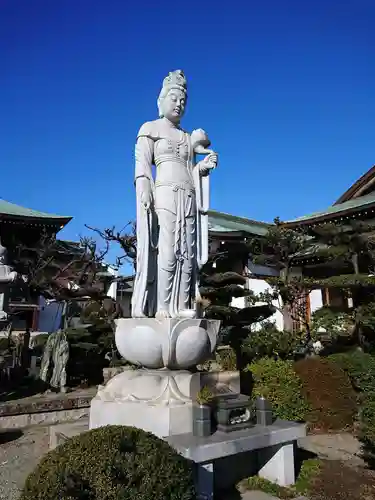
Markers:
{"x": 366, "y": 431}
{"x": 6, "y": 344}
{"x": 268, "y": 341}
{"x": 329, "y": 392}
{"x": 111, "y": 463}
{"x": 360, "y": 368}
{"x": 309, "y": 472}
{"x": 38, "y": 343}
{"x": 277, "y": 381}
{"x": 226, "y": 359}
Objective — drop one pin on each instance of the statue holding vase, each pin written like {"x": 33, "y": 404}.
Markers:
{"x": 166, "y": 337}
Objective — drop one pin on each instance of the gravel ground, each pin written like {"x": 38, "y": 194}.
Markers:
{"x": 20, "y": 452}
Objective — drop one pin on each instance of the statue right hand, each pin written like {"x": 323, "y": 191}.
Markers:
{"x": 146, "y": 196}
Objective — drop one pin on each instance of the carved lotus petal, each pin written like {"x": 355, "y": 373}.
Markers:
{"x": 168, "y": 343}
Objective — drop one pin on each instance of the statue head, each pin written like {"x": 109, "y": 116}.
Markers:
{"x": 173, "y": 96}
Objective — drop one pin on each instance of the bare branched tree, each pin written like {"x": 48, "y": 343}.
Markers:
{"x": 126, "y": 239}
{"x": 60, "y": 270}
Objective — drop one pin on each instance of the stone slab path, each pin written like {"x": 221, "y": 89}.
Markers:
{"x": 259, "y": 495}
{"x": 343, "y": 447}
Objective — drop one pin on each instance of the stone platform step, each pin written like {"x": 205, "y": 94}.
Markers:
{"x": 45, "y": 409}
{"x": 60, "y": 433}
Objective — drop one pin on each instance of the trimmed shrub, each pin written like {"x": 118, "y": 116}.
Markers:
{"x": 277, "y": 381}
{"x": 336, "y": 323}
{"x": 226, "y": 359}
{"x": 360, "y": 368}
{"x": 268, "y": 341}
{"x": 38, "y": 343}
{"x": 111, "y": 463}
{"x": 366, "y": 432}
{"x": 329, "y": 392}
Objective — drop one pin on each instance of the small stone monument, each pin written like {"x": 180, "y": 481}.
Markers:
{"x": 167, "y": 335}
{"x": 7, "y": 277}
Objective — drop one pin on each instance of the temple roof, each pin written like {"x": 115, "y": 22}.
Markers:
{"x": 340, "y": 210}
{"x": 364, "y": 185}
{"x": 219, "y": 222}
{"x": 16, "y": 212}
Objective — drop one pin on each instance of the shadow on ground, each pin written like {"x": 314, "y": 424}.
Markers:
{"x": 6, "y": 436}
{"x": 228, "y": 494}
{"x": 26, "y": 388}
{"x": 300, "y": 456}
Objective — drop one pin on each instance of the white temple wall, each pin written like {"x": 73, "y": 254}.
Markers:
{"x": 258, "y": 285}
{"x": 316, "y": 300}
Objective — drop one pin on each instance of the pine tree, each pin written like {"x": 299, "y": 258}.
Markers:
{"x": 220, "y": 282}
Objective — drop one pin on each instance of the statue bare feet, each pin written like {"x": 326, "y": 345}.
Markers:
{"x": 162, "y": 314}
{"x": 188, "y": 313}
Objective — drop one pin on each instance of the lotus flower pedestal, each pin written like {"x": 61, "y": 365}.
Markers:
{"x": 158, "y": 396}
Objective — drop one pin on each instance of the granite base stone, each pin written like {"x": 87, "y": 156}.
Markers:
{"x": 224, "y": 459}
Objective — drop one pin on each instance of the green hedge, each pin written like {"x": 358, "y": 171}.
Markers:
{"x": 277, "y": 381}
{"x": 360, "y": 367}
{"x": 112, "y": 463}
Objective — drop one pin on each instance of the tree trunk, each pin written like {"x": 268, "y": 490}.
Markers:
{"x": 355, "y": 263}
{"x": 25, "y": 357}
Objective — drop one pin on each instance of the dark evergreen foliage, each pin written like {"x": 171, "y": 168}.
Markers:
{"x": 112, "y": 463}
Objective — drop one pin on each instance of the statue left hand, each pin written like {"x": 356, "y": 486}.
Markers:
{"x": 211, "y": 160}
{"x": 209, "y": 163}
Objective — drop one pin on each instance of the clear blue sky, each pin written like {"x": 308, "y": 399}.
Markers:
{"x": 284, "y": 88}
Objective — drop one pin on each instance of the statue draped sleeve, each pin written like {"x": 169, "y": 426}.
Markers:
{"x": 144, "y": 152}
{"x": 144, "y": 293}
{"x": 202, "y": 190}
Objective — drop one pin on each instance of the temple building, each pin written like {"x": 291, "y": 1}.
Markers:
{"x": 19, "y": 225}
{"x": 357, "y": 203}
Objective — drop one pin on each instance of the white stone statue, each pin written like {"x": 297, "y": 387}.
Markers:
{"x": 172, "y": 226}
{"x": 7, "y": 277}
{"x": 166, "y": 337}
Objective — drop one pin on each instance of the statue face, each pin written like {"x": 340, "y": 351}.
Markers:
{"x": 173, "y": 105}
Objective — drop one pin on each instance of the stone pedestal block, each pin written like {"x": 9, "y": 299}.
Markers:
{"x": 158, "y": 401}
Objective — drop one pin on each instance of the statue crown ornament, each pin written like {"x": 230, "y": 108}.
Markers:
{"x": 175, "y": 79}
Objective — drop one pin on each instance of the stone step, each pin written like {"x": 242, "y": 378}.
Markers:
{"x": 60, "y": 433}
{"x": 257, "y": 495}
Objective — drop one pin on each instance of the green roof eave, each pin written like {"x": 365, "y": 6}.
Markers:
{"x": 219, "y": 222}
{"x": 351, "y": 206}
{"x": 11, "y": 210}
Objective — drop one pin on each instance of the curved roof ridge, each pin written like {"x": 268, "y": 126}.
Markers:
{"x": 8, "y": 208}
{"x": 359, "y": 187}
